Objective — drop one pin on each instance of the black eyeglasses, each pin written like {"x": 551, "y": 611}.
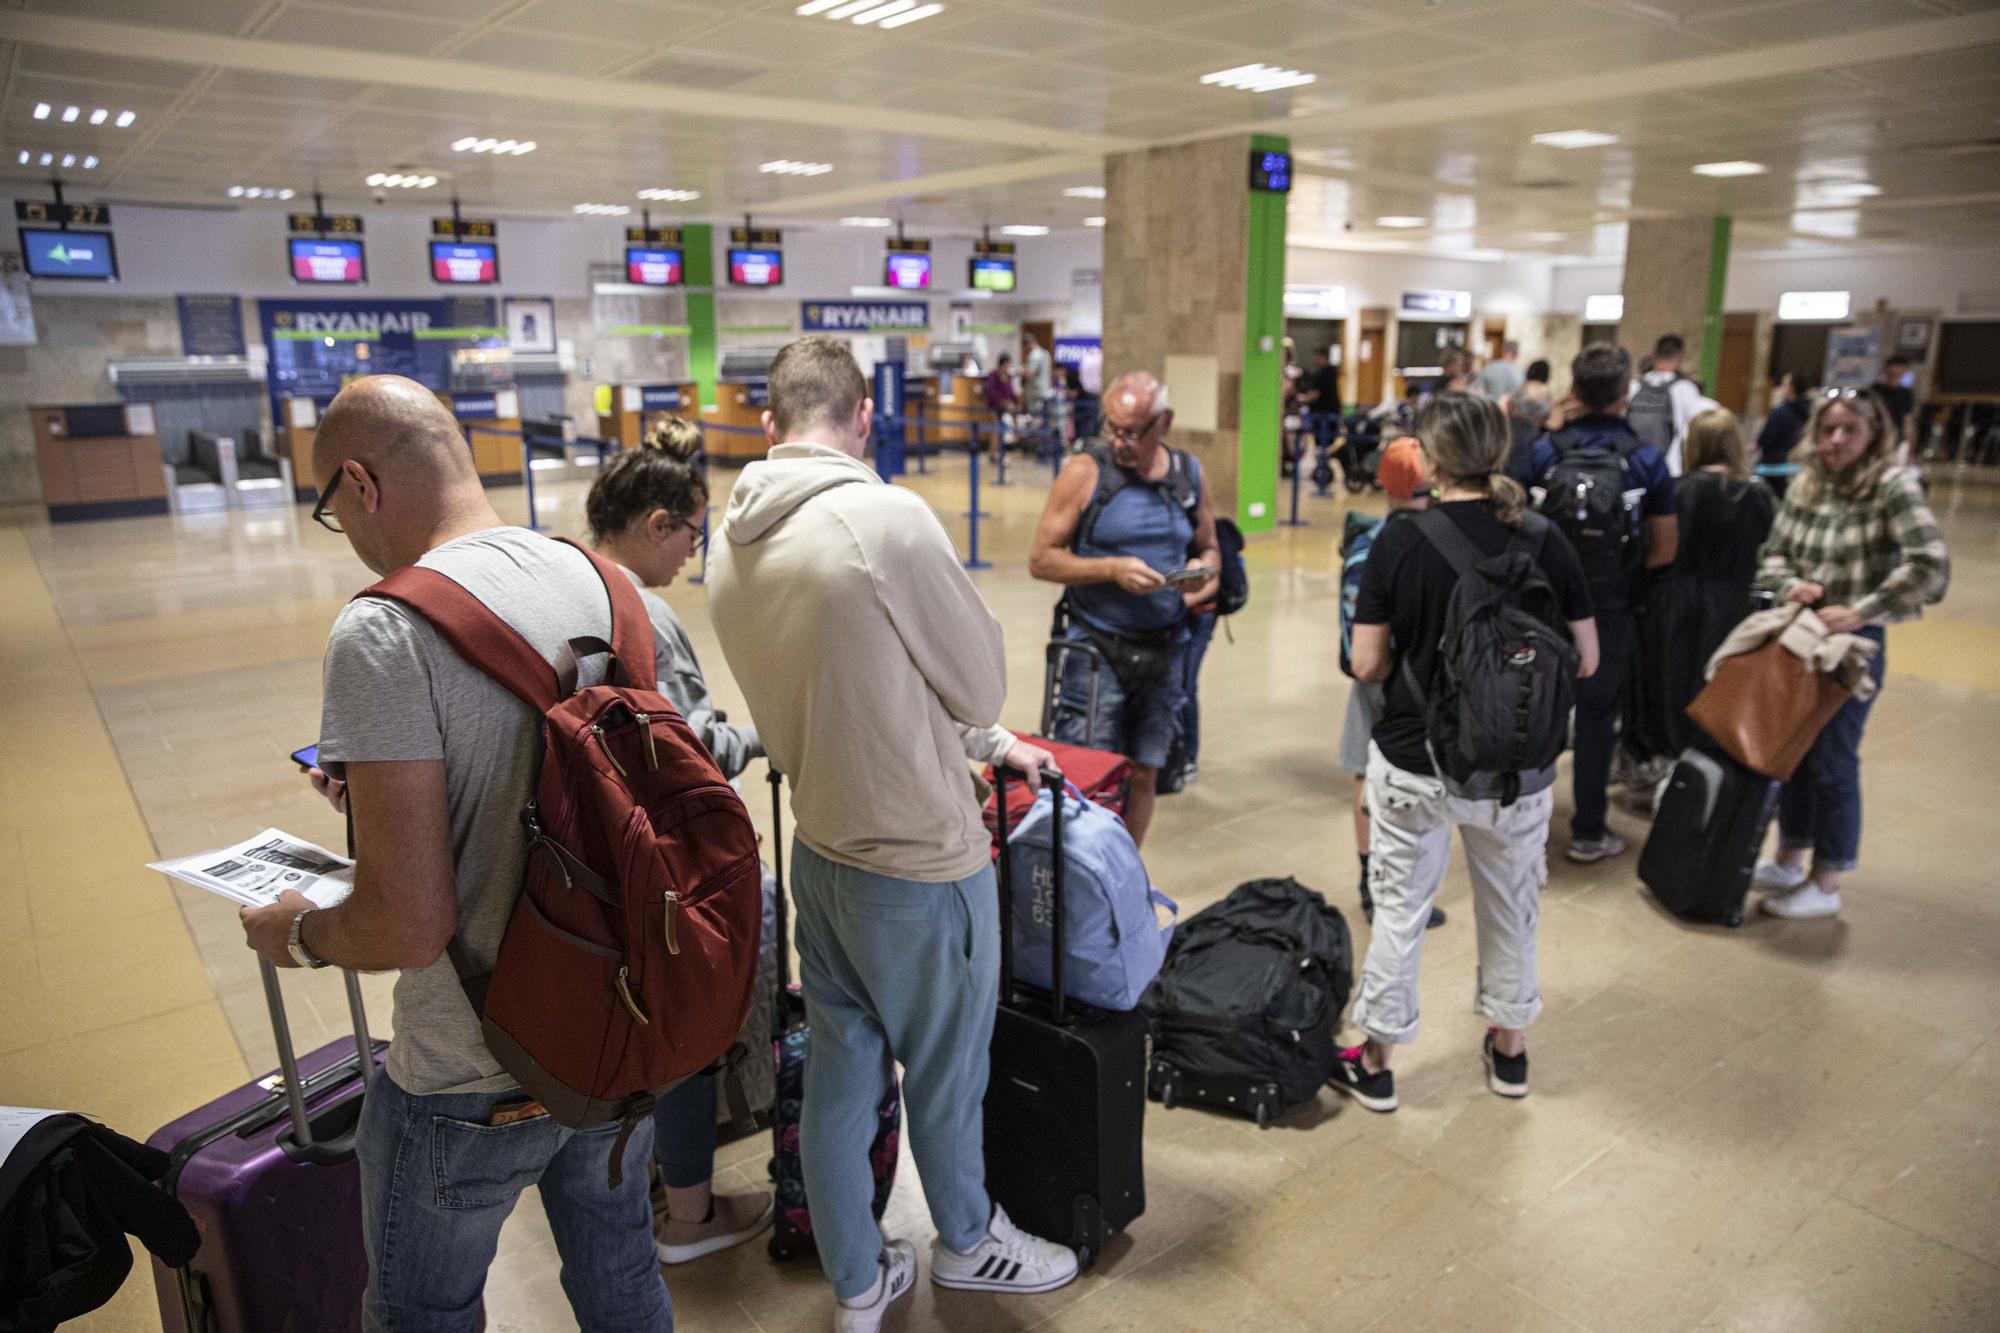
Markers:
{"x": 1132, "y": 434}
{"x": 700, "y": 531}
{"x": 321, "y": 514}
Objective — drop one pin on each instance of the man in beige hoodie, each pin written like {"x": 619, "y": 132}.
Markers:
{"x": 873, "y": 672}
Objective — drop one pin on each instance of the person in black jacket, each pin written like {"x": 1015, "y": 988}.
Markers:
{"x": 1791, "y": 404}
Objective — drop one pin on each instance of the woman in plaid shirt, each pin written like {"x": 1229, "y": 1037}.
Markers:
{"x": 1856, "y": 541}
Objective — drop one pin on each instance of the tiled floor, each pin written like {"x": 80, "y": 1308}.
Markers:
{"x": 1790, "y": 1126}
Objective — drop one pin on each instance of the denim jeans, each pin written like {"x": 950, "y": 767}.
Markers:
{"x": 1820, "y": 808}
{"x": 894, "y": 970}
{"x": 1141, "y": 723}
{"x": 1201, "y": 630}
{"x": 437, "y": 1180}
{"x": 1598, "y": 700}
{"x": 684, "y": 1133}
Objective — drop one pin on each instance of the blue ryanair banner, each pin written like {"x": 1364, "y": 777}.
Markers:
{"x": 660, "y": 398}
{"x": 865, "y": 316}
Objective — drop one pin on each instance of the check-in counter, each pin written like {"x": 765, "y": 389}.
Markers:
{"x": 298, "y": 420}
{"x": 740, "y": 404}
{"x": 497, "y": 457}
{"x": 958, "y": 406}
{"x": 99, "y": 460}
{"x": 635, "y": 407}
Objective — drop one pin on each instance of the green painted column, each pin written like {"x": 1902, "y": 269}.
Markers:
{"x": 1261, "y": 416}
{"x": 1718, "y": 281}
{"x": 698, "y": 261}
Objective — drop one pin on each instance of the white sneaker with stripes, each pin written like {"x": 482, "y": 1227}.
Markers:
{"x": 1008, "y": 1259}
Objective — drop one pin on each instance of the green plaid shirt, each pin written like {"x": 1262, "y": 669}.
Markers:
{"x": 1881, "y": 554}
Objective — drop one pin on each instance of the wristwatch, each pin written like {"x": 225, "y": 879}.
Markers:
{"x": 295, "y": 944}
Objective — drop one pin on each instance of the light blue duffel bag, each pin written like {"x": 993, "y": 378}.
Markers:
{"x": 1114, "y": 944}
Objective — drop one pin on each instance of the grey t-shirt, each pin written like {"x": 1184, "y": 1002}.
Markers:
{"x": 395, "y": 690}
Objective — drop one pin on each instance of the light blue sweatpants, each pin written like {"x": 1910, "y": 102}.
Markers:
{"x": 893, "y": 970}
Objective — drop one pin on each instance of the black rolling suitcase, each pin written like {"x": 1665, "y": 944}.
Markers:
{"x": 1706, "y": 835}
{"x": 1066, "y": 1100}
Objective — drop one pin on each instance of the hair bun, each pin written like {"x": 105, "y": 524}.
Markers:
{"x": 677, "y": 438}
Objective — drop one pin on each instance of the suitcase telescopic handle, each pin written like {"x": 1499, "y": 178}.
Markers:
{"x": 1052, "y": 782}
{"x": 777, "y": 781}
{"x": 320, "y": 1152}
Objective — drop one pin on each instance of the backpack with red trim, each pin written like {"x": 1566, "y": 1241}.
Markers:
{"x": 630, "y": 956}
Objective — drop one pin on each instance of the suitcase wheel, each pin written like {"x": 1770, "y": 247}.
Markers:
{"x": 1735, "y": 918}
{"x": 1263, "y": 1115}
{"x": 1167, "y": 1094}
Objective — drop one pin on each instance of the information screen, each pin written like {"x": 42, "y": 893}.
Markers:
{"x": 651, "y": 266}
{"x": 756, "y": 268}
{"x": 327, "y": 261}
{"x": 465, "y": 261}
{"x": 992, "y": 275}
{"x": 906, "y": 271}
{"x": 69, "y": 254}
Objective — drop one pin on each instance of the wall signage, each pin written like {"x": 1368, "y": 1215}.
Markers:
{"x": 65, "y": 215}
{"x": 210, "y": 325}
{"x": 1437, "y": 305}
{"x": 864, "y": 316}
{"x": 328, "y": 224}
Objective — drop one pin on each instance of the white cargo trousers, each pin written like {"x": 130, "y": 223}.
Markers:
{"x": 1506, "y": 849}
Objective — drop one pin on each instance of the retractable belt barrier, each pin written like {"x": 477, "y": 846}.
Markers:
{"x": 603, "y": 446}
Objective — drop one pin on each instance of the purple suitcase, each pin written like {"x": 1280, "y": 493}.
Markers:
{"x": 269, "y": 1175}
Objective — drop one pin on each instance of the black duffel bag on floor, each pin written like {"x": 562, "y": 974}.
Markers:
{"x": 1245, "y": 1007}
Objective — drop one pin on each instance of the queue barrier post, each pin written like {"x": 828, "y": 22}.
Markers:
{"x": 528, "y": 479}
{"x": 975, "y": 513}
{"x": 972, "y": 560}
{"x": 1298, "y": 471}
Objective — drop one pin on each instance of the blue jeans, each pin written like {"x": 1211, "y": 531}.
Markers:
{"x": 1201, "y": 632}
{"x": 1141, "y": 723}
{"x": 684, "y": 1133}
{"x": 1598, "y": 700}
{"x": 437, "y": 1180}
{"x": 893, "y": 970}
{"x": 1820, "y": 807}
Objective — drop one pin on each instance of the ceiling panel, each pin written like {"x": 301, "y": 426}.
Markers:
{"x": 543, "y": 51}
{"x": 401, "y": 33}
{"x": 218, "y": 16}
{"x": 618, "y": 22}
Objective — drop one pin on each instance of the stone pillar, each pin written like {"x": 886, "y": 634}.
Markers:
{"x": 1193, "y": 291}
{"x": 1673, "y": 284}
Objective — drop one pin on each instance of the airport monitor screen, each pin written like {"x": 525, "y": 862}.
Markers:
{"x": 69, "y": 254}
{"x": 992, "y": 275}
{"x": 652, "y": 266}
{"x": 756, "y": 268}
{"x": 465, "y": 261}
{"x": 906, "y": 271}
{"x": 327, "y": 261}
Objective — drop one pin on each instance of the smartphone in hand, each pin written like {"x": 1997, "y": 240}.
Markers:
{"x": 307, "y": 759}
{"x": 1190, "y": 578}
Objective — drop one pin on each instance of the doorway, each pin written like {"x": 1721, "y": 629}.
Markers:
{"x": 1371, "y": 354}
{"x": 1799, "y": 350}
{"x": 1308, "y": 336}
{"x": 1042, "y": 331}
{"x": 1734, "y": 368}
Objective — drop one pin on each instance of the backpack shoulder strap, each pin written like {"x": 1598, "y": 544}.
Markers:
{"x": 1441, "y": 532}
{"x": 631, "y": 628}
{"x": 479, "y": 636}
{"x": 1184, "y": 480}
{"x": 1111, "y": 479}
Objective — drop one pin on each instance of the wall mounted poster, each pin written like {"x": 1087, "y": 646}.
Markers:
{"x": 531, "y": 324}
{"x": 1853, "y": 358}
{"x": 210, "y": 325}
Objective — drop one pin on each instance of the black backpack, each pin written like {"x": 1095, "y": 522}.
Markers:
{"x": 1496, "y": 714}
{"x": 1245, "y": 1006}
{"x": 1233, "y": 594}
{"x": 1650, "y": 414}
{"x": 1180, "y": 483}
{"x": 1585, "y": 496}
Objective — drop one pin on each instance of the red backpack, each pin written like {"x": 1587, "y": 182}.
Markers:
{"x": 628, "y": 962}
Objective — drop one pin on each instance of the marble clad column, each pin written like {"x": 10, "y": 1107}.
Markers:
{"x": 1187, "y": 274}
{"x": 1670, "y": 278}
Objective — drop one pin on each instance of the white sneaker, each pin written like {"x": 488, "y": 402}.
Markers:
{"x": 1774, "y": 877}
{"x": 899, "y": 1274}
{"x": 1008, "y": 1259}
{"x": 1808, "y": 902}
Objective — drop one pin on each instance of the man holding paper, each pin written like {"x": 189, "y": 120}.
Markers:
{"x": 438, "y": 761}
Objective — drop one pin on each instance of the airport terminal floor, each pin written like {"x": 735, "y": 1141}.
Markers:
{"x": 1785, "y": 1126}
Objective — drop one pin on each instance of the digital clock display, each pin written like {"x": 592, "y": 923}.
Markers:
{"x": 1270, "y": 171}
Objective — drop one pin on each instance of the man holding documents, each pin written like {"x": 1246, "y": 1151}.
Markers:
{"x": 438, "y": 761}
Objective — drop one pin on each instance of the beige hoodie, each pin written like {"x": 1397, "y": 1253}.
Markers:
{"x": 870, "y": 664}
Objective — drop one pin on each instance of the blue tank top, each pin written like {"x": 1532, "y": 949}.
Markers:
{"x": 1144, "y": 520}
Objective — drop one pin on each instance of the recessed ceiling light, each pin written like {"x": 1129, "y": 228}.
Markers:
{"x": 1730, "y": 169}
{"x": 1399, "y": 220}
{"x": 603, "y": 210}
{"x": 784, "y": 166}
{"x": 888, "y": 13}
{"x": 1023, "y": 229}
{"x": 48, "y": 159}
{"x": 1574, "y": 139}
{"x": 671, "y": 196}
{"x": 1093, "y": 222}
{"x": 282, "y": 194}
{"x": 42, "y": 110}
{"x": 99, "y": 116}
{"x": 90, "y": 164}
{"x": 23, "y": 158}
{"x": 236, "y": 192}
{"x": 1258, "y": 78}
{"x": 125, "y": 119}
{"x": 1547, "y": 237}
{"x": 867, "y": 222}
{"x": 1084, "y": 192}
{"x": 70, "y": 113}
{"x": 812, "y": 7}
{"x": 875, "y": 13}
{"x": 69, "y": 159}
{"x": 1846, "y": 189}
{"x": 464, "y": 145}
{"x": 911, "y": 16}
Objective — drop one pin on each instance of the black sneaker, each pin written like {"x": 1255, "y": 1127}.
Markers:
{"x": 1368, "y": 910}
{"x": 1505, "y": 1074}
{"x": 1377, "y": 1092}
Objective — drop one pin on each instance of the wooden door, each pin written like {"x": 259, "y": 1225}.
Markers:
{"x": 1371, "y": 352}
{"x": 1734, "y": 368}
{"x": 1044, "y": 333}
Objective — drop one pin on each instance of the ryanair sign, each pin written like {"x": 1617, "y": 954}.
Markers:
{"x": 866, "y": 316}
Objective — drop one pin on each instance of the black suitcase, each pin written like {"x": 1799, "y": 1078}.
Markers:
{"x": 1706, "y": 835}
{"x": 1066, "y": 1099}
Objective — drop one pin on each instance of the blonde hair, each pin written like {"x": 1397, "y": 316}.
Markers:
{"x": 676, "y": 436}
{"x": 1467, "y": 439}
{"x": 1716, "y": 436}
{"x": 1858, "y": 480}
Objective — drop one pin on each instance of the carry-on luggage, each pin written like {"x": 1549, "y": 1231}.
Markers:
{"x": 269, "y": 1175}
{"x": 792, "y": 1229}
{"x": 1702, "y": 851}
{"x": 1104, "y": 779}
{"x": 1245, "y": 1008}
{"x": 1066, "y": 1099}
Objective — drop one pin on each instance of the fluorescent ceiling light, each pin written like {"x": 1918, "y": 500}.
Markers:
{"x": 1093, "y": 222}
{"x": 1845, "y": 189}
{"x": 1401, "y": 221}
{"x": 99, "y": 116}
{"x": 282, "y": 194}
{"x": 811, "y": 7}
{"x": 1546, "y": 237}
{"x": 23, "y": 158}
{"x": 1258, "y": 78}
{"x": 882, "y": 11}
{"x": 48, "y": 159}
{"x": 236, "y": 192}
{"x": 1813, "y": 305}
{"x": 867, "y": 222}
{"x": 70, "y": 113}
{"x": 1574, "y": 139}
{"x": 784, "y": 166}
{"x": 69, "y": 159}
{"x": 464, "y": 145}
{"x": 125, "y": 119}
{"x": 1607, "y": 308}
{"x": 603, "y": 210}
{"x": 1023, "y": 229}
{"x": 911, "y": 16}
{"x": 671, "y": 196}
{"x": 1084, "y": 192}
{"x": 1730, "y": 169}
{"x": 42, "y": 110}
{"x": 849, "y": 8}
